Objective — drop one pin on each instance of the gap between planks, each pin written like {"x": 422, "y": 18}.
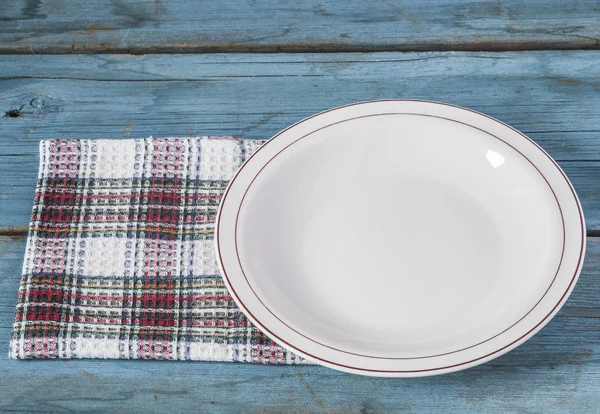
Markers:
{"x": 582, "y": 43}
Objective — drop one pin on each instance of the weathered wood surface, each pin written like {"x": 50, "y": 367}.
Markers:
{"x": 557, "y": 371}
{"x": 174, "y": 26}
{"x": 551, "y": 96}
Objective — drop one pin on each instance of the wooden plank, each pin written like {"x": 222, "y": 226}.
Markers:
{"x": 159, "y": 26}
{"x": 551, "y": 96}
{"x": 557, "y": 371}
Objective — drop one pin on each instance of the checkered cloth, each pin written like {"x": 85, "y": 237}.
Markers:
{"x": 120, "y": 260}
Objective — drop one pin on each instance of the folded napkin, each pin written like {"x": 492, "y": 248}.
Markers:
{"x": 120, "y": 260}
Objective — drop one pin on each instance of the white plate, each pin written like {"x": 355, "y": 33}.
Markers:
{"x": 400, "y": 238}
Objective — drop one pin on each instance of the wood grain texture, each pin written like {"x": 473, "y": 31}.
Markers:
{"x": 175, "y": 26}
{"x": 551, "y": 96}
{"x": 556, "y": 371}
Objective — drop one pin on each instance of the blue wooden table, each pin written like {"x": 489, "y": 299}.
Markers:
{"x": 120, "y": 69}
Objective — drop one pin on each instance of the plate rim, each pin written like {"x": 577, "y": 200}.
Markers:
{"x": 427, "y": 371}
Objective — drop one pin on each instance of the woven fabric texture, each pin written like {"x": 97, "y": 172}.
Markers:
{"x": 120, "y": 260}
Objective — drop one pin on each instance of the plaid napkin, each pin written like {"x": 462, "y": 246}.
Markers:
{"x": 120, "y": 260}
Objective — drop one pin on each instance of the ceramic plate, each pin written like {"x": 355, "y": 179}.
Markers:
{"x": 400, "y": 238}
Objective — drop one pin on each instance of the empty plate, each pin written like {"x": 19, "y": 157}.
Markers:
{"x": 400, "y": 238}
